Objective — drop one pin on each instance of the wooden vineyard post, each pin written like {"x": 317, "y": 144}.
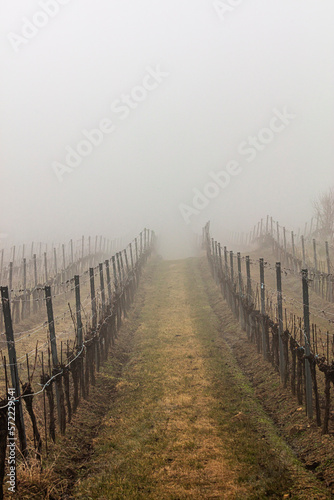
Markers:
{"x": 78, "y": 311}
{"x": 284, "y": 243}
{"x": 241, "y": 318}
{"x": 117, "y": 290}
{"x": 128, "y": 274}
{"x": 248, "y": 295}
{"x": 36, "y": 302}
{"x": 213, "y": 259}
{"x": 25, "y": 311}
{"x": 35, "y": 271}
{"x": 55, "y": 260}
{"x": 94, "y": 315}
{"x": 55, "y": 363}
{"x": 63, "y": 274}
{"x": 329, "y": 276}
{"x": 119, "y": 270}
{"x": 282, "y": 361}
{"x": 45, "y": 267}
{"x": 141, "y": 243}
{"x": 120, "y": 276}
{"x": 263, "y": 311}
{"x": 133, "y": 275}
{"x": 232, "y": 282}
{"x": 249, "y": 282}
{"x": 131, "y": 256}
{"x": 220, "y": 267}
{"x": 303, "y": 252}
{"x": 10, "y": 280}
{"x": 13, "y": 259}
{"x": 293, "y": 252}
{"x": 108, "y": 281}
{"x": 227, "y": 295}
{"x": 19, "y": 420}
{"x": 217, "y": 262}
{"x": 226, "y": 263}
{"x": 316, "y": 281}
{"x": 278, "y": 241}
{"x": 122, "y": 266}
{"x": 93, "y": 298}
{"x": 306, "y": 311}
{"x": 231, "y": 268}
{"x": 103, "y": 296}
{"x": 136, "y": 249}
{"x": 79, "y": 334}
{"x": 112, "y": 318}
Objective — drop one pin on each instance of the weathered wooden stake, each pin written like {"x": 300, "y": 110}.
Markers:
{"x": 282, "y": 361}
{"x": 306, "y": 310}
{"x": 249, "y": 282}
{"x": 108, "y": 281}
{"x": 241, "y": 319}
{"x": 78, "y": 311}
{"x": 103, "y": 297}
{"x": 293, "y": 251}
{"x": 14, "y": 369}
{"x": 226, "y": 263}
{"x": 303, "y": 251}
{"x": 45, "y": 267}
{"x": 93, "y": 298}
{"x": 10, "y": 279}
{"x": 55, "y": 260}
{"x": 329, "y": 277}
{"x": 231, "y": 268}
{"x": 316, "y": 283}
{"x": 24, "y": 305}
{"x": 35, "y": 270}
{"x": 131, "y": 255}
{"x": 263, "y": 310}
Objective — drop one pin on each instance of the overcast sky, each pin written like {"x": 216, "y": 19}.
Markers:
{"x": 181, "y": 91}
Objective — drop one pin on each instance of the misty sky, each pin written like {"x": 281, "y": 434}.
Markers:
{"x": 180, "y": 87}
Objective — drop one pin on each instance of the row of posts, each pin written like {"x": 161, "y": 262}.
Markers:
{"x": 280, "y": 248}
{"x": 221, "y": 268}
{"x": 122, "y": 272}
{"x": 59, "y": 279}
{"x": 104, "y": 246}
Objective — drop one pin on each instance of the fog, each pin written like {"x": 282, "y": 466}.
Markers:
{"x": 121, "y": 115}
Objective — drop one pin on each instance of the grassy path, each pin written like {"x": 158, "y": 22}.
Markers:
{"x": 184, "y": 423}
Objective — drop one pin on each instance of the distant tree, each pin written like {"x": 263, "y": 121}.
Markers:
{"x": 324, "y": 212}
